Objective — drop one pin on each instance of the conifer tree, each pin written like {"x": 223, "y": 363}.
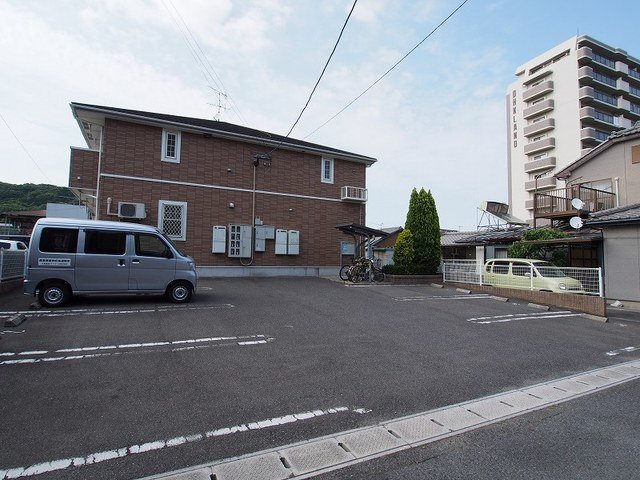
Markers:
{"x": 433, "y": 250}
{"x": 424, "y": 224}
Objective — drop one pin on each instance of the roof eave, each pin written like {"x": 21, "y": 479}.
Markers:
{"x": 626, "y": 221}
{"x": 368, "y": 161}
{"x": 610, "y": 142}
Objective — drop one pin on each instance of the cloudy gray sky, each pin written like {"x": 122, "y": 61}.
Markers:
{"x": 437, "y": 121}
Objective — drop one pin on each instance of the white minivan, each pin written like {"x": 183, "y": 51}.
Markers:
{"x": 84, "y": 257}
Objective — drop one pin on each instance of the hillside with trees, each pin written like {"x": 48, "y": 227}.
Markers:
{"x": 30, "y": 196}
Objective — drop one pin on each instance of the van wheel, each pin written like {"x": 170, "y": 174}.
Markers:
{"x": 179, "y": 292}
{"x": 54, "y": 294}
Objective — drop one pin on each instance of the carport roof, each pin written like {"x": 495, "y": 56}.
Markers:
{"x": 355, "y": 229}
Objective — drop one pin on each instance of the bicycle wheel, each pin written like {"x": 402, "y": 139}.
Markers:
{"x": 378, "y": 275}
{"x": 356, "y": 274}
{"x": 344, "y": 273}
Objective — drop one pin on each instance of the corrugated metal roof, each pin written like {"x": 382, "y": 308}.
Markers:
{"x": 450, "y": 238}
{"x": 495, "y": 236}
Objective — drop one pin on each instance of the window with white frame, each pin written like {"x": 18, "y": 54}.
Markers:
{"x": 327, "y": 170}
{"x": 171, "y": 146}
{"x": 172, "y": 219}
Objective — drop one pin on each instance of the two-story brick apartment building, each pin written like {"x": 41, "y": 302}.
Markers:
{"x": 240, "y": 201}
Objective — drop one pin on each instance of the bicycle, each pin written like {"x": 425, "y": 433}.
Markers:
{"x": 363, "y": 269}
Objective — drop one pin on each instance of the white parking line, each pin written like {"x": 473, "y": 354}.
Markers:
{"x": 521, "y": 316}
{"x": 313, "y": 457}
{"x": 614, "y": 353}
{"x": 441, "y": 297}
{"x": 92, "y": 458}
{"x": 93, "y": 311}
{"x": 149, "y": 347}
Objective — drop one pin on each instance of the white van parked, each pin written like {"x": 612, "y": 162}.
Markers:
{"x": 83, "y": 257}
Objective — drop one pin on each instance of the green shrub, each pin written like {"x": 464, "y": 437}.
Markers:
{"x": 403, "y": 250}
{"x": 557, "y": 255}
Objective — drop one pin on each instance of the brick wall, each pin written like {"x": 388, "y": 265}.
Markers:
{"x": 135, "y": 150}
{"x": 83, "y": 168}
{"x": 582, "y": 303}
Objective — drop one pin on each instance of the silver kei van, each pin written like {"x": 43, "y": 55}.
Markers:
{"x": 84, "y": 257}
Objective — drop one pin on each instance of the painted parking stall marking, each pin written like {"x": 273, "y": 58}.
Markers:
{"x": 84, "y": 353}
{"x": 614, "y": 353}
{"x": 98, "y": 457}
{"x": 514, "y": 317}
{"x": 422, "y": 298}
{"x": 93, "y": 311}
{"x": 330, "y": 453}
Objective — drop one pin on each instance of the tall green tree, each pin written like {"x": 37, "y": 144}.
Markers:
{"x": 424, "y": 224}
{"x": 433, "y": 251}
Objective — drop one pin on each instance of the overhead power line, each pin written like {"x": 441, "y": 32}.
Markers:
{"x": 25, "y": 149}
{"x": 211, "y": 76}
{"x": 390, "y": 69}
{"x": 324, "y": 69}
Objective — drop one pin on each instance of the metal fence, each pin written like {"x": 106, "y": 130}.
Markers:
{"x": 513, "y": 274}
{"x": 12, "y": 264}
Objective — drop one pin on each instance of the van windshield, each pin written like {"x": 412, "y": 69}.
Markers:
{"x": 170, "y": 242}
{"x": 546, "y": 269}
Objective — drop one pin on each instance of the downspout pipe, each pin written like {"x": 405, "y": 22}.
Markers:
{"x": 97, "y": 211}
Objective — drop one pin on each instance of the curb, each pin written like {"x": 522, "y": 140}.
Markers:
{"x": 437, "y": 285}
{"x": 596, "y": 318}
{"x": 463, "y": 290}
{"x": 500, "y": 299}
{"x": 329, "y": 453}
{"x": 540, "y": 307}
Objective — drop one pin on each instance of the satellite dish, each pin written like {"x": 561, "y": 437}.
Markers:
{"x": 576, "y": 222}
{"x": 577, "y": 204}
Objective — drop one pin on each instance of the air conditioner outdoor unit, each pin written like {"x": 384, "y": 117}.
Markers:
{"x": 131, "y": 210}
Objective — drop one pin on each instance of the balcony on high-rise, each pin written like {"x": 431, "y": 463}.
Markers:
{"x": 538, "y": 91}
{"x": 545, "y": 163}
{"x": 540, "y": 146}
{"x": 539, "y": 127}
{"x": 538, "y": 109}
{"x": 543, "y": 183}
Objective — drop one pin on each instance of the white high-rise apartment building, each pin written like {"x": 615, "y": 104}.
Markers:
{"x": 563, "y": 103}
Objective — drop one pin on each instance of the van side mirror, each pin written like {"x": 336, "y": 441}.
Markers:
{"x": 168, "y": 253}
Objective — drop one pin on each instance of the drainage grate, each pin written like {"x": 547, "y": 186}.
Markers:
{"x": 310, "y": 458}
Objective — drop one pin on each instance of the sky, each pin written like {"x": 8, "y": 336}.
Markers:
{"x": 437, "y": 121}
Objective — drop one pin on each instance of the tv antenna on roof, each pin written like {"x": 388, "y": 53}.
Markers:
{"x": 221, "y": 104}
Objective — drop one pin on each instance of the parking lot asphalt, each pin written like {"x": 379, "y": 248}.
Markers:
{"x": 103, "y": 380}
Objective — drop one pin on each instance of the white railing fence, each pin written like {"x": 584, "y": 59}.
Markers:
{"x": 463, "y": 271}
{"x": 12, "y": 263}
{"x": 557, "y": 279}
